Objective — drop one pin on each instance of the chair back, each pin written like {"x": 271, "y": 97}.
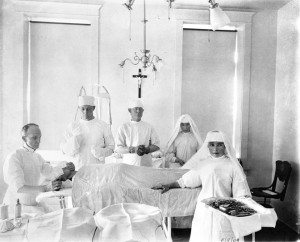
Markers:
{"x": 283, "y": 172}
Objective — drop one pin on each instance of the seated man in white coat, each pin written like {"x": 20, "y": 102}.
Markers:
{"x": 22, "y": 171}
{"x": 88, "y": 140}
{"x": 137, "y": 136}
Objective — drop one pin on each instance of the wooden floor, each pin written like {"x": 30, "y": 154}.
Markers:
{"x": 280, "y": 233}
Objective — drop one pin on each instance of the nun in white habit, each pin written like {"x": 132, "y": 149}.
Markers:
{"x": 216, "y": 169}
{"x": 184, "y": 142}
{"x": 88, "y": 140}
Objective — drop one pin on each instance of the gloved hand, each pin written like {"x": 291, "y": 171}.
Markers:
{"x": 66, "y": 174}
{"x": 147, "y": 150}
{"x": 56, "y": 185}
{"x": 181, "y": 162}
{"x": 70, "y": 166}
{"x": 141, "y": 150}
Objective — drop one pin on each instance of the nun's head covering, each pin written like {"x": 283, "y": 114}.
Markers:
{"x": 203, "y": 153}
{"x": 185, "y": 118}
{"x": 86, "y": 100}
{"x": 136, "y": 103}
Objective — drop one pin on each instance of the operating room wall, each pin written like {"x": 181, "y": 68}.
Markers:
{"x": 2, "y": 186}
{"x": 286, "y": 117}
{"x": 261, "y": 103}
{"x": 12, "y": 85}
{"x": 117, "y": 42}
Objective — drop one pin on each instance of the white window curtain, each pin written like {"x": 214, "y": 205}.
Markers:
{"x": 209, "y": 90}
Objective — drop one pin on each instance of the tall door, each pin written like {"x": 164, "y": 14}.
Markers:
{"x": 209, "y": 80}
{"x": 60, "y": 63}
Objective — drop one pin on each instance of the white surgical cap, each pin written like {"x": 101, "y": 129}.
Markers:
{"x": 86, "y": 100}
{"x": 135, "y": 104}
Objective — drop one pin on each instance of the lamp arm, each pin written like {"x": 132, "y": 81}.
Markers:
{"x": 136, "y": 59}
{"x": 153, "y": 58}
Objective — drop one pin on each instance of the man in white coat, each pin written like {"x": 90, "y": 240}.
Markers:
{"x": 22, "y": 171}
{"x": 87, "y": 140}
{"x": 137, "y": 136}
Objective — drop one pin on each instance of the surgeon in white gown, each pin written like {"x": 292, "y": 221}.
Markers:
{"x": 88, "y": 140}
{"x": 23, "y": 169}
{"x": 216, "y": 168}
{"x": 136, "y": 136}
{"x": 184, "y": 142}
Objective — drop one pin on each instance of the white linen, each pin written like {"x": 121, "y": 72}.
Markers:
{"x": 76, "y": 225}
{"x": 25, "y": 167}
{"x": 130, "y": 222}
{"x": 88, "y": 142}
{"x": 183, "y": 145}
{"x": 99, "y": 186}
{"x": 133, "y": 134}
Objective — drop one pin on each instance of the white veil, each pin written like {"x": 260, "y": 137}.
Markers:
{"x": 203, "y": 153}
{"x": 185, "y": 118}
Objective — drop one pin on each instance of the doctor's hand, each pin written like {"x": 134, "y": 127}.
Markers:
{"x": 181, "y": 162}
{"x": 163, "y": 188}
{"x": 132, "y": 149}
{"x": 141, "y": 150}
{"x": 70, "y": 166}
{"x": 56, "y": 185}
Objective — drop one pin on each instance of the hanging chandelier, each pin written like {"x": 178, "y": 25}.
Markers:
{"x": 146, "y": 59}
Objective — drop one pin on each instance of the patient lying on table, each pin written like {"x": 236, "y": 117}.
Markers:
{"x": 99, "y": 186}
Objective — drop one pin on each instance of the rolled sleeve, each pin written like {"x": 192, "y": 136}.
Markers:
{"x": 190, "y": 179}
{"x": 49, "y": 171}
{"x": 13, "y": 172}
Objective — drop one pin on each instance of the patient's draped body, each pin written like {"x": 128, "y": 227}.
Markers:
{"x": 98, "y": 186}
{"x": 220, "y": 177}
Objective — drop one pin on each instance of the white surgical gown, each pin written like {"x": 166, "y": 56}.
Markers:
{"x": 25, "y": 167}
{"x": 184, "y": 147}
{"x": 133, "y": 134}
{"x": 219, "y": 177}
{"x": 88, "y": 142}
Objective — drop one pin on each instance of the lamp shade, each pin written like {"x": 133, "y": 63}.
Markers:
{"x": 218, "y": 18}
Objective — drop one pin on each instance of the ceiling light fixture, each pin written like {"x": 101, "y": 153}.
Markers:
{"x": 146, "y": 59}
{"x": 218, "y": 18}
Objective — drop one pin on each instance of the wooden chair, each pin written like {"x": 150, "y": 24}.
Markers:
{"x": 282, "y": 172}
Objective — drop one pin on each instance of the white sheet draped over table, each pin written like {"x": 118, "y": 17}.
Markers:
{"x": 99, "y": 186}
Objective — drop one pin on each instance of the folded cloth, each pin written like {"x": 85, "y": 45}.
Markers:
{"x": 75, "y": 224}
{"x": 6, "y": 225}
{"x": 130, "y": 222}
